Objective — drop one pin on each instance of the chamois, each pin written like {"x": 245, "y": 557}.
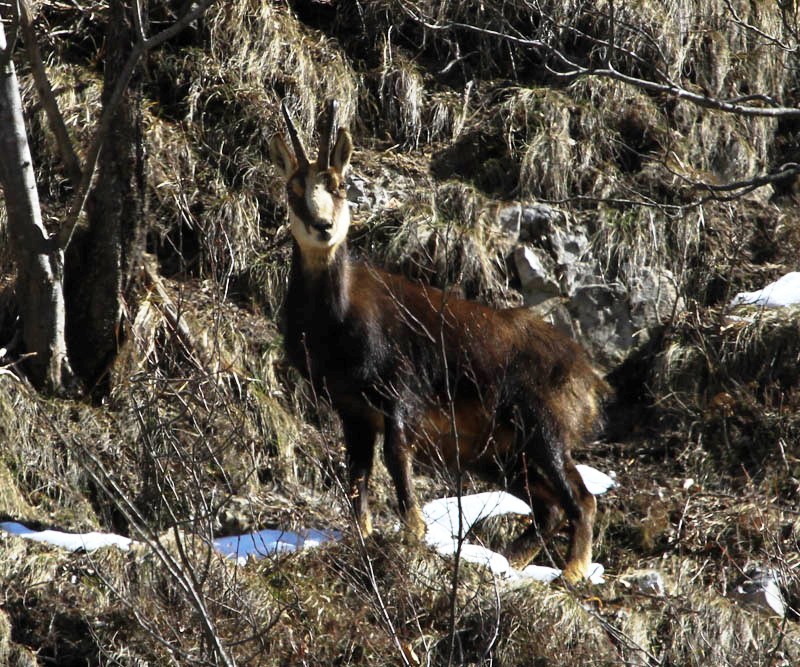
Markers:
{"x": 499, "y": 393}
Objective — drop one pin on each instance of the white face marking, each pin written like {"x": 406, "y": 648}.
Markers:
{"x": 320, "y": 202}
{"x": 318, "y": 209}
{"x": 319, "y": 219}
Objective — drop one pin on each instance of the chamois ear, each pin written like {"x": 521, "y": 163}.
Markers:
{"x": 342, "y": 151}
{"x": 281, "y": 156}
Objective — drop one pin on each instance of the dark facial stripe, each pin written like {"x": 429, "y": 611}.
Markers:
{"x": 297, "y": 202}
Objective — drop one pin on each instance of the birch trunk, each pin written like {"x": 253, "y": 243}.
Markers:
{"x": 38, "y": 260}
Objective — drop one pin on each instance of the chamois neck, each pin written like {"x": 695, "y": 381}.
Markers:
{"x": 319, "y": 260}
{"x": 325, "y": 283}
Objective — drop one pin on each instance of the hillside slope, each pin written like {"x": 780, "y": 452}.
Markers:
{"x": 483, "y": 164}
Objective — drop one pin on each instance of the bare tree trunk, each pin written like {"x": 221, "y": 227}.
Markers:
{"x": 101, "y": 259}
{"x": 47, "y": 98}
{"x": 39, "y": 261}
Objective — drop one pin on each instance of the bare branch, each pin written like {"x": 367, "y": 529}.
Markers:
{"x": 716, "y": 192}
{"x": 109, "y": 110}
{"x": 179, "y": 568}
{"x": 48, "y": 99}
{"x": 137, "y": 20}
{"x": 11, "y": 43}
{"x": 700, "y": 99}
{"x": 786, "y": 171}
{"x": 574, "y": 71}
{"x": 612, "y": 34}
{"x": 754, "y": 29}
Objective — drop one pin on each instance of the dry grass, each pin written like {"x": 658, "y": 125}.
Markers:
{"x": 208, "y": 432}
{"x": 446, "y": 237}
{"x": 693, "y": 624}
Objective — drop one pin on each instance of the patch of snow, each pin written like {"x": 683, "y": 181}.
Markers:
{"x": 474, "y": 553}
{"x": 597, "y": 483}
{"x": 783, "y": 292}
{"x": 759, "y": 588}
{"x": 441, "y": 515}
{"x": 70, "y": 541}
{"x": 268, "y": 542}
{"x": 649, "y": 582}
{"x": 541, "y": 573}
{"x": 548, "y": 574}
{"x": 442, "y": 518}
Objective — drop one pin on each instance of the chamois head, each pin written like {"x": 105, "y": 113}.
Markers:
{"x": 315, "y": 191}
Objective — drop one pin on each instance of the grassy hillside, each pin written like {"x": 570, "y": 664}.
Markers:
{"x": 208, "y": 432}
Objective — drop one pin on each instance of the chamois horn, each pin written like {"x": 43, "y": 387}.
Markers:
{"x": 324, "y": 159}
{"x": 299, "y": 151}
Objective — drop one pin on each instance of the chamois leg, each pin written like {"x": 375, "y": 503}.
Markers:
{"x": 579, "y": 506}
{"x": 579, "y": 556}
{"x": 547, "y": 518}
{"x": 359, "y": 437}
{"x": 398, "y": 461}
{"x": 549, "y": 462}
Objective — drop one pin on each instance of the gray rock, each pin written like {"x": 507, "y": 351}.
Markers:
{"x": 603, "y": 319}
{"x": 578, "y": 275}
{"x": 554, "y": 311}
{"x": 530, "y": 222}
{"x": 648, "y": 582}
{"x": 537, "y": 221}
{"x": 362, "y": 194}
{"x": 509, "y": 221}
{"x": 653, "y": 296}
{"x": 535, "y": 270}
{"x": 554, "y": 257}
{"x": 569, "y": 246}
{"x": 760, "y": 589}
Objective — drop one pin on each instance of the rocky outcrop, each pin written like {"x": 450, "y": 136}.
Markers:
{"x": 561, "y": 275}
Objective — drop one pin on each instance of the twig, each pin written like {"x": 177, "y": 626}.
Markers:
{"x": 109, "y": 111}
{"x": 180, "y": 571}
{"x": 196, "y": 353}
{"x": 71, "y": 164}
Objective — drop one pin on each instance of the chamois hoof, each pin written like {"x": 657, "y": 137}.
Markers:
{"x": 365, "y": 525}
{"x": 575, "y": 572}
{"x": 414, "y": 524}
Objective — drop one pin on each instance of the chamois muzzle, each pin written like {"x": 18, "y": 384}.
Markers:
{"x": 323, "y": 228}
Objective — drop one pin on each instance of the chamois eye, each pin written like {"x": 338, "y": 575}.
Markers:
{"x": 330, "y": 182}
{"x": 295, "y": 188}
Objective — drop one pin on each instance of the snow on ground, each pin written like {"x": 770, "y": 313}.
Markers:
{"x": 783, "y": 292}
{"x": 597, "y": 483}
{"x": 69, "y": 541}
{"x": 444, "y": 520}
{"x": 267, "y": 542}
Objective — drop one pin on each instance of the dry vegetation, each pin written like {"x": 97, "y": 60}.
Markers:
{"x": 207, "y": 432}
